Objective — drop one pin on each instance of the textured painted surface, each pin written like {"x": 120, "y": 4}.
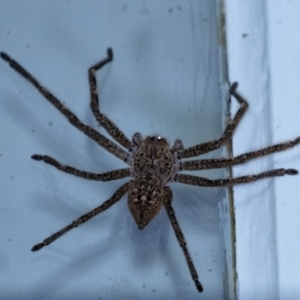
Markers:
{"x": 165, "y": 80}
{"x": 263, "y": 43}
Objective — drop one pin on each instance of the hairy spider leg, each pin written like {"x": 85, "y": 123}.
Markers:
{"x": 227, "y": 134}
{"x": 103, "y": 120}
{"x": 107, "y": 176}
{"x": 201, "y": 181}
{"x": 180, "y": 237}
{"x": 73, "y": 119}
{"x": 96, "y": 211}
{"x": 205, "y": 164}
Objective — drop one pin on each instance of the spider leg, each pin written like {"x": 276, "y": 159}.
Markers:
{"x": 107, "y": 176}
{"x": 89, "y": 131}
{"x": 107, "y": 204}
{"x": 103, "y": 120}
{"x": 180, "y": 237}
{"x": 227, "y": 134}
{"x": 205, "y": 164}
{"x": 201, "y": 181}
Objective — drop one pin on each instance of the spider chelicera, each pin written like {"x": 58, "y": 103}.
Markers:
{"x": 152, "y": 163}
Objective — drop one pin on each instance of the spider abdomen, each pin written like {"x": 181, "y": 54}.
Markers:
{"x": 145, "y": 198}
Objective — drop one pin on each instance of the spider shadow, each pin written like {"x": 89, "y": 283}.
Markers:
{"x": 51, "y": 289}
{"x": 198, "y": 215}
{"x": 144, "y": 244}
{"x": 112, "y": 223}
{"x": 82, "y": 261}
{"x": 57, "y": 135}
{"x": 155, "y": 237}
{"x": 64, "y": 211}
{"x": 264, "y": 187}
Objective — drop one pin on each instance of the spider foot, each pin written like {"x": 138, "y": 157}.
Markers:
{"x": 5, "y": 56}
{"x": 233, "y": 88}
{"x": 291, "y": 171}
{"x": 110, "y": 54}
{"x": 37, "y": 247}
{"x": 37, "y": 157}
{"x": 199, "y": 286}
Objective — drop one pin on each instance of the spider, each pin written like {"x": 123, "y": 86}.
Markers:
{"x": 151, "y": 162}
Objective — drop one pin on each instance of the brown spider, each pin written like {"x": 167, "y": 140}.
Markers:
{"x": 152, "y": 163}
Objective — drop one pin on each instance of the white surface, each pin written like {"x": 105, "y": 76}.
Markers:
{"x": 165, "y": 80}
{"x": 266, "y": 63}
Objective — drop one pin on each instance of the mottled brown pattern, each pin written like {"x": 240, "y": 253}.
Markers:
{"x": 145, "y": 198}
{"x": 152, "y": 163}
{"x": 201, "y": 181}
{"x": 154, "y": 155}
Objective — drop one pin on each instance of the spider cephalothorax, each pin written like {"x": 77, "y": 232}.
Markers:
{"x": 152, "y": 163}
{"x": 154, "y": 155}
